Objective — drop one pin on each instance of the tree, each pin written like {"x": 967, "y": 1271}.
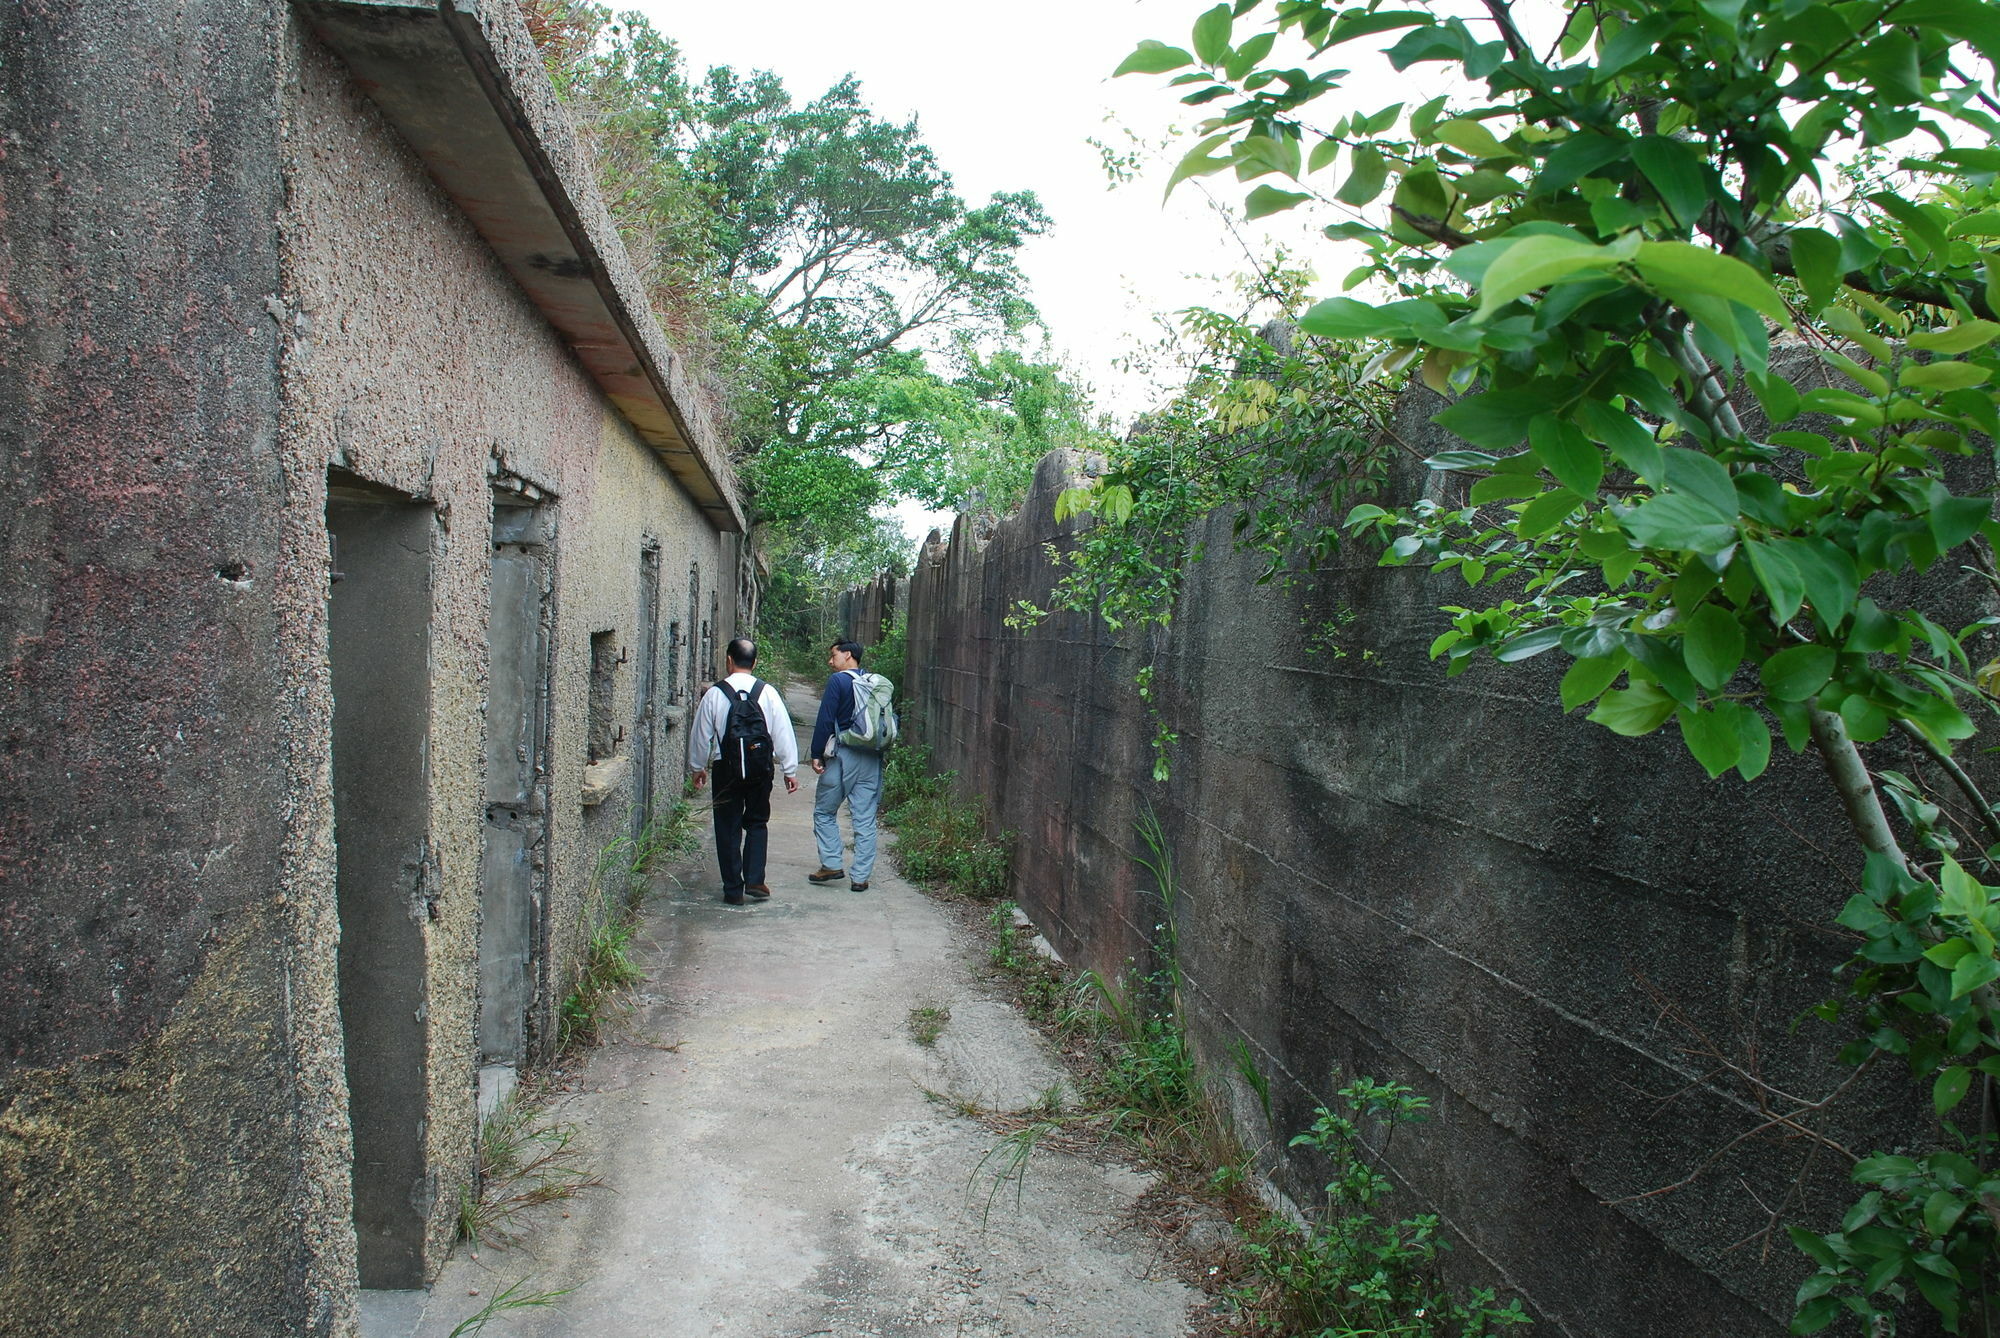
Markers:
{"x": 829, "y": 242}
{"x": 856, "y": 320}
{"x": 1594, "y": 246}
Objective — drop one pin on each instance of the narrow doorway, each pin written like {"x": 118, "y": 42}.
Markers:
{"x": 513, "y": 860}
{"x": 379, "y": 627}
{"x": 645, "y": 711}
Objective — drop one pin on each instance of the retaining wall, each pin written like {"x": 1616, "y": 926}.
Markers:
{"x": 1557, "y": 935}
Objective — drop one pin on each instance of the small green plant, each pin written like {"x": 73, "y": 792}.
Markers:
{"x": 941, "y": 839}
{"x": 1351, "y": 1271}
{"x": 1043, "y": 991}
{"x": 1149, "y": 1073}
{"x": 1254, "y": 1077}
{"x": 623, "y": 866}
{"x": 1348, "y": 1271}
{"x": 619, "y": 886}
{"x": 1007, "y": 1163}
{"x": 513, "y": 1298}
{"x": 891, "y": 654}
{"x": 607, "y": 971}
{"x": 523, "y": 1161}
{"x": 927, "y": 1024}
{"x": 1006, "y": 950}
{"x": 958, "y": 1103}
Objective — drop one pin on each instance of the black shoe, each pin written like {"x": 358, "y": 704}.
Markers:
{"x": 826, "y": 875}
{"x": 732, "y": 898}
{"x": 857, "y": 887}
{"x": 758, "y": 891}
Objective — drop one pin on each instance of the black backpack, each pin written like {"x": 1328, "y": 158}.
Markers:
{"x": 746, "y": 739}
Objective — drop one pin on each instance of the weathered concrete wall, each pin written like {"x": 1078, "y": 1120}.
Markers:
{"x": 867, "y": 611}
{"x": 1449, "y": 883}
{"x": 224, "y": 275}
{"x": 158, "y": 1079}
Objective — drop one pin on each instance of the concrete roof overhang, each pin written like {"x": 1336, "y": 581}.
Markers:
{"x": 463, "y": 83}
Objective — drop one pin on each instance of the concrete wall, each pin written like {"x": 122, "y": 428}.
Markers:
{"x": 867, "y": 611}
{"x": 224, "y": 279}
{"x": 1448, "y": 883}
{"x": 159, "y": 1080}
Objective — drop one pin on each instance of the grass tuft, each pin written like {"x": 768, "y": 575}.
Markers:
{"x": 524, "y": 1162}
{"x": 620, "y": 885}
{"x": 513, "y": 1298}
{"x": 941, "y": 839}
{"x": 927, "y": 1024}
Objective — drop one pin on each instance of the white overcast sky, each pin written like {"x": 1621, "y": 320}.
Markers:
{"x": 1009, "y": 97}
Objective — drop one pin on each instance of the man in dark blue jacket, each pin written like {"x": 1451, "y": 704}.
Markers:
{"x": 846, "y": 775}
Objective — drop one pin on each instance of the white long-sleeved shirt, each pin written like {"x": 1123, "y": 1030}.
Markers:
{"x": 711, "y": 717}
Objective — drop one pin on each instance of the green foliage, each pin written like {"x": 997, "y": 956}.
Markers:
{"x": 1921, "y": 993}
{"x": 514, "y": 1296}
{"x": 1149, "y": 1073}
{"x": 619, "y": 887}
{"x": 1351, "y": 1271}
{"x": 856, "y": 321}
{"x": 1045, "y": 992}
{"x": 606, "y": 972}
{"x": 1139, "y": 1078}
{"x": 941, "y": 840}
{"x": 1265, "y": 429}
{"x": 815, "y": 558}
{"x": 891, "y": 655}
{"x": 1593, "y": 251}
{"x": 524, "y": 1160}
{"x": 928, "y": 1023}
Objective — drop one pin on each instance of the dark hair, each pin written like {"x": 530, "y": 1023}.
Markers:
{"x": 851, "y": 647}
{"x": 743, "y": 652}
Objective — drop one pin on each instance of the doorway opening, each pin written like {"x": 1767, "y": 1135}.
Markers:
{"x": 386, "y": 884}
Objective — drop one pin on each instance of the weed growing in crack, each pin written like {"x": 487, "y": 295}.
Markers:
{"x": 608, "y": 970}
{"x": 1008, "y": 1163}
{"x": 958, "y": 1103}
{"x": 619, "y": 886}
{"x": 513, "y": 1298}
{"x": 927, "y": 1024}
{"x": 523, "y": 1162}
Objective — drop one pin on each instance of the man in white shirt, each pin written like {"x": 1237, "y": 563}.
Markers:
{"x": 745, "y": 760}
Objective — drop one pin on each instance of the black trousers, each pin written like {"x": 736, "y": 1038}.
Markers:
{"x": 742, "y": 831}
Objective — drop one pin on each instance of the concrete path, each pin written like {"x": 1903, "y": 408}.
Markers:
{"x": 776, "y": 1168}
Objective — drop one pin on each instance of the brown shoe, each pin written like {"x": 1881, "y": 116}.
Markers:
{"x": 758, "y": 891}
{"x": 857, "y": 887}
{"x": 826, "y": 875}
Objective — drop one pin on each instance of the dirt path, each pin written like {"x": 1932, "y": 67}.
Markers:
{"x": 777, "y": 1170}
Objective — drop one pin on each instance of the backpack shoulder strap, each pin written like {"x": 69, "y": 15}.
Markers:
{"x": 756, "y": 691}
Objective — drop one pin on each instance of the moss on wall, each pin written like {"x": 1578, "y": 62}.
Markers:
{"x": 120, "y": 1177}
